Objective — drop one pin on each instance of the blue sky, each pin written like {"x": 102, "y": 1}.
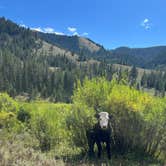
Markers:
{"x": 111, "y": 23}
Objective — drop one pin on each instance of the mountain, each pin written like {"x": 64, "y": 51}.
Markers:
{"x": 48, "y": 65}
{"x": 26, "y": 39}
{"x": 152, "y": 57}
{"x": 38, "y": 67}
{"x": 72, "y": 43}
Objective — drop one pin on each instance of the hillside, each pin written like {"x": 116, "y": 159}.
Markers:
{"x": 152, "y": 57}
{"x": 31, "y": 65}
{"x": 74, "y": 44}
{"x": 48, "y": 65}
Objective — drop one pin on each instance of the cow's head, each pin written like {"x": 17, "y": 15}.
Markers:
{"x": 103, "y": 118}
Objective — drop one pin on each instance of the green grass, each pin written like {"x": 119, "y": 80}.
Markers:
{"x": 57, "y": 127}
{"x": 23, "y": 148}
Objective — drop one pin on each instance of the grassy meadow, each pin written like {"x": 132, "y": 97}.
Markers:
{"x": 44, "y": 133}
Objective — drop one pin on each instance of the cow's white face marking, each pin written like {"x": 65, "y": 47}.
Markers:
{"x": 103, "y": 119}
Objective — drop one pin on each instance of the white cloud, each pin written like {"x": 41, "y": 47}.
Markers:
{"x": 75, "y": 34}
{"x": 146, "y": 24}
{"x": 59, "y": 33}
{"x": 48, "y": 30}
{"x": 72, "y": 29}
{"x": 85, "y": 34}
{"x": 23, "y": 25}
{"x": 39, "y": 29}
{"x": 146, "y": 21}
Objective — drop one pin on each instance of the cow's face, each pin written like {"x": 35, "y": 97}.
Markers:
{"x": 103, "y": 118}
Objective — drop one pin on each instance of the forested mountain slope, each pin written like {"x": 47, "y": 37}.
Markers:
{"x": 31, "y": 65}
{"x": 152, "y": 57}
{"x": 48, "y": 65}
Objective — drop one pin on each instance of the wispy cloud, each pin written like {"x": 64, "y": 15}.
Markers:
{"x": 84, "y": 34}
{"x": 74, "y": 32}
{"x": 47, "y": 30}
{"x": 39, "y": 29}
{"x": 59, "y": 33}
{"x": 23, "y": 25}
{"x": 72, "y": 29}
{"x": 146, "y": 24}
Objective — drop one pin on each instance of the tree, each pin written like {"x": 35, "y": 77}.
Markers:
{"x": 133, "y": 76}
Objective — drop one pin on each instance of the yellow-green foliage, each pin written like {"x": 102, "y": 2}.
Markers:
{"x": 7, "y": 104}
{"x": 48, "y": 123}
{"x": 78, "y": 122}
{"x": 86, "y": 99}
{"x": 92, "y": 93}
{"x": 8, "y": 109}
{"x": 139, "y": 119}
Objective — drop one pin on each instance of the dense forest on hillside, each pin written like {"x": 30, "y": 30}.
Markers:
{"x": 26, "y": 71}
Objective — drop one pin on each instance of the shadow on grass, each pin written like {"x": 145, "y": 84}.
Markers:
{"x": 120, "y": 160}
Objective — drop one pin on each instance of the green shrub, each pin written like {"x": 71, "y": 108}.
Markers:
{"x": 8, "y": 109}
{"x": 41, "y": 130}
{"x": 48, "y": 123}
{"x": 138, "y": 118}
{"x": 23, "y": 115}
{"x": 87, "y": 99}
{"x": 78, "y": 122}
{"x": 7, "y": 104}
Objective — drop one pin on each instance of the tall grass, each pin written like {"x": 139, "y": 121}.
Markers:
{"x": 42, "y": 131}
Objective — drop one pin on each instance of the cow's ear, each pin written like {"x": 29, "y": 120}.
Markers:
{"x": 97, "y": 116}
{"x": 110, "y": 116}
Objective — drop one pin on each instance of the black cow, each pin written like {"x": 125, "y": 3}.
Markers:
{"x": 101, "y": 133}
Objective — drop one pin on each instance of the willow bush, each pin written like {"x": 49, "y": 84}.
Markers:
{"x": 8, "y": 111}
{"x": 138, "y": 122}
{"x": 78, "y": 122}
{"x": 48, "y": 124}
{"x": 86, "y": 99}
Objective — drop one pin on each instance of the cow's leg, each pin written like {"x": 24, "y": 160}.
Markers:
{"x": 91, "y": 142}
{"x": 108, "y": 147}
{"x": 99, "y": 148}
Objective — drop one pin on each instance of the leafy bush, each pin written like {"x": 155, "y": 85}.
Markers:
{"x": 6, "y": 119}
{"x": 8, "y": 109}
{"x": 7, "y": 104}
{"x": 93, "y": 93}
{"x": 23, "y": 115}
{"x": 41, "y": 130}
{"x": 138, "y": 118}
{"x": 81, "y": 119}
{"x": 86, "y": 101}
{"x": 48, "y": 123}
